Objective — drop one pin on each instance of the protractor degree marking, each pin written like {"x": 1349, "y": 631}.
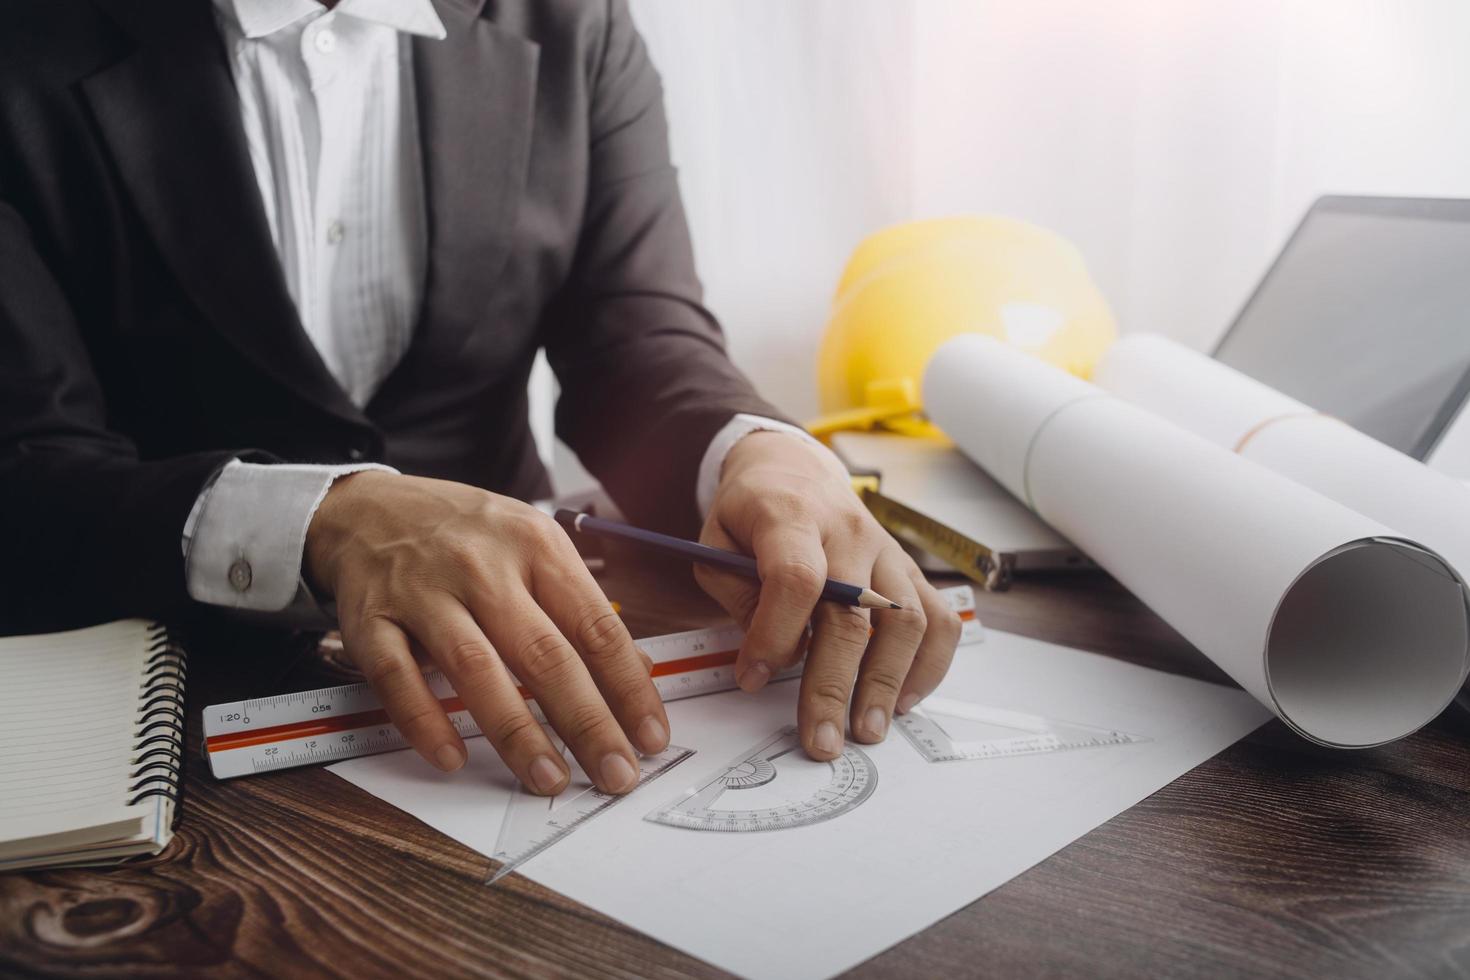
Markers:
{"x": 852, "y": 779}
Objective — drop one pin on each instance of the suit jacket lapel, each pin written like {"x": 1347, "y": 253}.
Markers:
{"x": 476, "y": 95}
{"x": 170, "y": 116}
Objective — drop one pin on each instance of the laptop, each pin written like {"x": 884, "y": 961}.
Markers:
{"x": 1365, "y": 315}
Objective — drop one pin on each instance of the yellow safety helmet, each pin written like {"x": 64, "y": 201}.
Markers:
{"x": 909, "y": 288}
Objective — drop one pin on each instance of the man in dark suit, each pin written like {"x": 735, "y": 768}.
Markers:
{"x": 273, "y": 274}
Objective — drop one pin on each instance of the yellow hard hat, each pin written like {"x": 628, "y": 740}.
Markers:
{"x": 909, "y": 288}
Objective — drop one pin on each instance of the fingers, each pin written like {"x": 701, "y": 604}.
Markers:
{"x": 456, "y": 643}
{"x": 736, "y": 593}
{"x": 548, "y": 665}
{"x": 619, "y": 669}
{"x": 936, "y": 650}
{"x": 793, "y": 571}
{"x": 461, "y": 575}
{"x": 839, "y": 639}
{"x": 848, "y": 676}
{"x": 897, "y": 635}
{"x": 381, "y": 651}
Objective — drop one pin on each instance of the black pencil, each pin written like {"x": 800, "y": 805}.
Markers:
{"x": 834, "y": 591}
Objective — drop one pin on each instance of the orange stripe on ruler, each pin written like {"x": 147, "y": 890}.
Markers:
{"x": 306, "y": 729}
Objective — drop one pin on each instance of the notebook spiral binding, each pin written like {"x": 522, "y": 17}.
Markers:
{"x": 159, "y": 741}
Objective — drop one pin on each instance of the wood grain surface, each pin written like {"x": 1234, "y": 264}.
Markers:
{"x": 1276, "y": 858}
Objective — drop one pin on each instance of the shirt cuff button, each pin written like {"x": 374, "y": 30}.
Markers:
{"x": 240, "y": 575}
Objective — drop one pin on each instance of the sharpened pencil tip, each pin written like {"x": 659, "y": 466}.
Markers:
{"x": 868, "y": 599}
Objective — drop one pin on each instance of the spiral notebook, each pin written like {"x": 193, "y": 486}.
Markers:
{"x": 91, "y": 744}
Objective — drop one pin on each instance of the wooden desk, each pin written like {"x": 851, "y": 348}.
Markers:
{"x": 1276, "y": 858}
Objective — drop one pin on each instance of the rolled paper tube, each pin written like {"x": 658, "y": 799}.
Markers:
{"x": 1352, "y": 634}
{"x": 1263, "y": 425}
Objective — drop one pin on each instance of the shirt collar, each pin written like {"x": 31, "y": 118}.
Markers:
{"x": 258, "y": 18}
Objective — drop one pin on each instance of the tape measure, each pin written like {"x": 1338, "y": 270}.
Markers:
{"x": 991, "y": 569}
{"x": 944, "y": 730}
{"x": 534, "y": 823}
{"x": 336, "y": 723}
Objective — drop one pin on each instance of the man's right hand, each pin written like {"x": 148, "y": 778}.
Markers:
{"x": 483, "y": 585}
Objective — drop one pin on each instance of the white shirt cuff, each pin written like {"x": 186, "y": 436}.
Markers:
{"x": 245, "y": 537}
{"x": 736, "y": 429}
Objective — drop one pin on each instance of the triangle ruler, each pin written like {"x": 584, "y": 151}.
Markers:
{"x": 533, "y": 823}
{"x": 945, "y": 730}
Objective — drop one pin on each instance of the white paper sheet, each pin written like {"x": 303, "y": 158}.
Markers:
{"x": 933, "y": 837}
{"x": 1351, "y": 634}
{"x": 1231, "y": 410}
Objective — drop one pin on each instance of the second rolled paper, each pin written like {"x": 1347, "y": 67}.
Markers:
{"x": 1267, "y": 427}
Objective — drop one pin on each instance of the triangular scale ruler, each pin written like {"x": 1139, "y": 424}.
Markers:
{"x": 944, "y": 730}
{"x": 533, "y": 823}
{"x": 242, "y": 738}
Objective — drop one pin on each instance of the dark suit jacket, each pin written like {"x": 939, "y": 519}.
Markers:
{"x": 147, "y": 336}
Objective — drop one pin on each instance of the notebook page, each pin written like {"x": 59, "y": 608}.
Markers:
{"x": 79, "y": 834}
{"x": 68, "y": 719}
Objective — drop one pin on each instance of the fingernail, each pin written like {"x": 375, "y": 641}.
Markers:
{"x": 906, "y": 703}
{"x": 828, "y": 739}
{"x": 875, "y": 721}
{"x": 652, "y": 736}
{"x": 449, "y": 757}
{"x": 618, "y": 774}
{"x": 545, "y": 774}
{"x": 756, "y": 676}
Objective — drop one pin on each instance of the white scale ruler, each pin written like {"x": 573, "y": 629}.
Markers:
{"x": 335, "y": 723}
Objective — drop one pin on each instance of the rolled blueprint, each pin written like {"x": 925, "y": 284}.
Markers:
{"x": 1281, "y": 434}
{"x": 1352, "y": 634}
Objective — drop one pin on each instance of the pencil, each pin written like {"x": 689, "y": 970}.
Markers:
{"x": 833, "y": 591}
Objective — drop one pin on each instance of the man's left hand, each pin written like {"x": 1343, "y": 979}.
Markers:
{"x": 785, "y": 502}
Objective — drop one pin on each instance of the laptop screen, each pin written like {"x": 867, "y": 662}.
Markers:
{"x": 1366, "y": 316}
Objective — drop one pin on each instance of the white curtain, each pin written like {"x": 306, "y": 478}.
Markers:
{"x": 1175, "y": 142}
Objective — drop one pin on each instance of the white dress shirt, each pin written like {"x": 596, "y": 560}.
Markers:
{"x": 327, "y": 103}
